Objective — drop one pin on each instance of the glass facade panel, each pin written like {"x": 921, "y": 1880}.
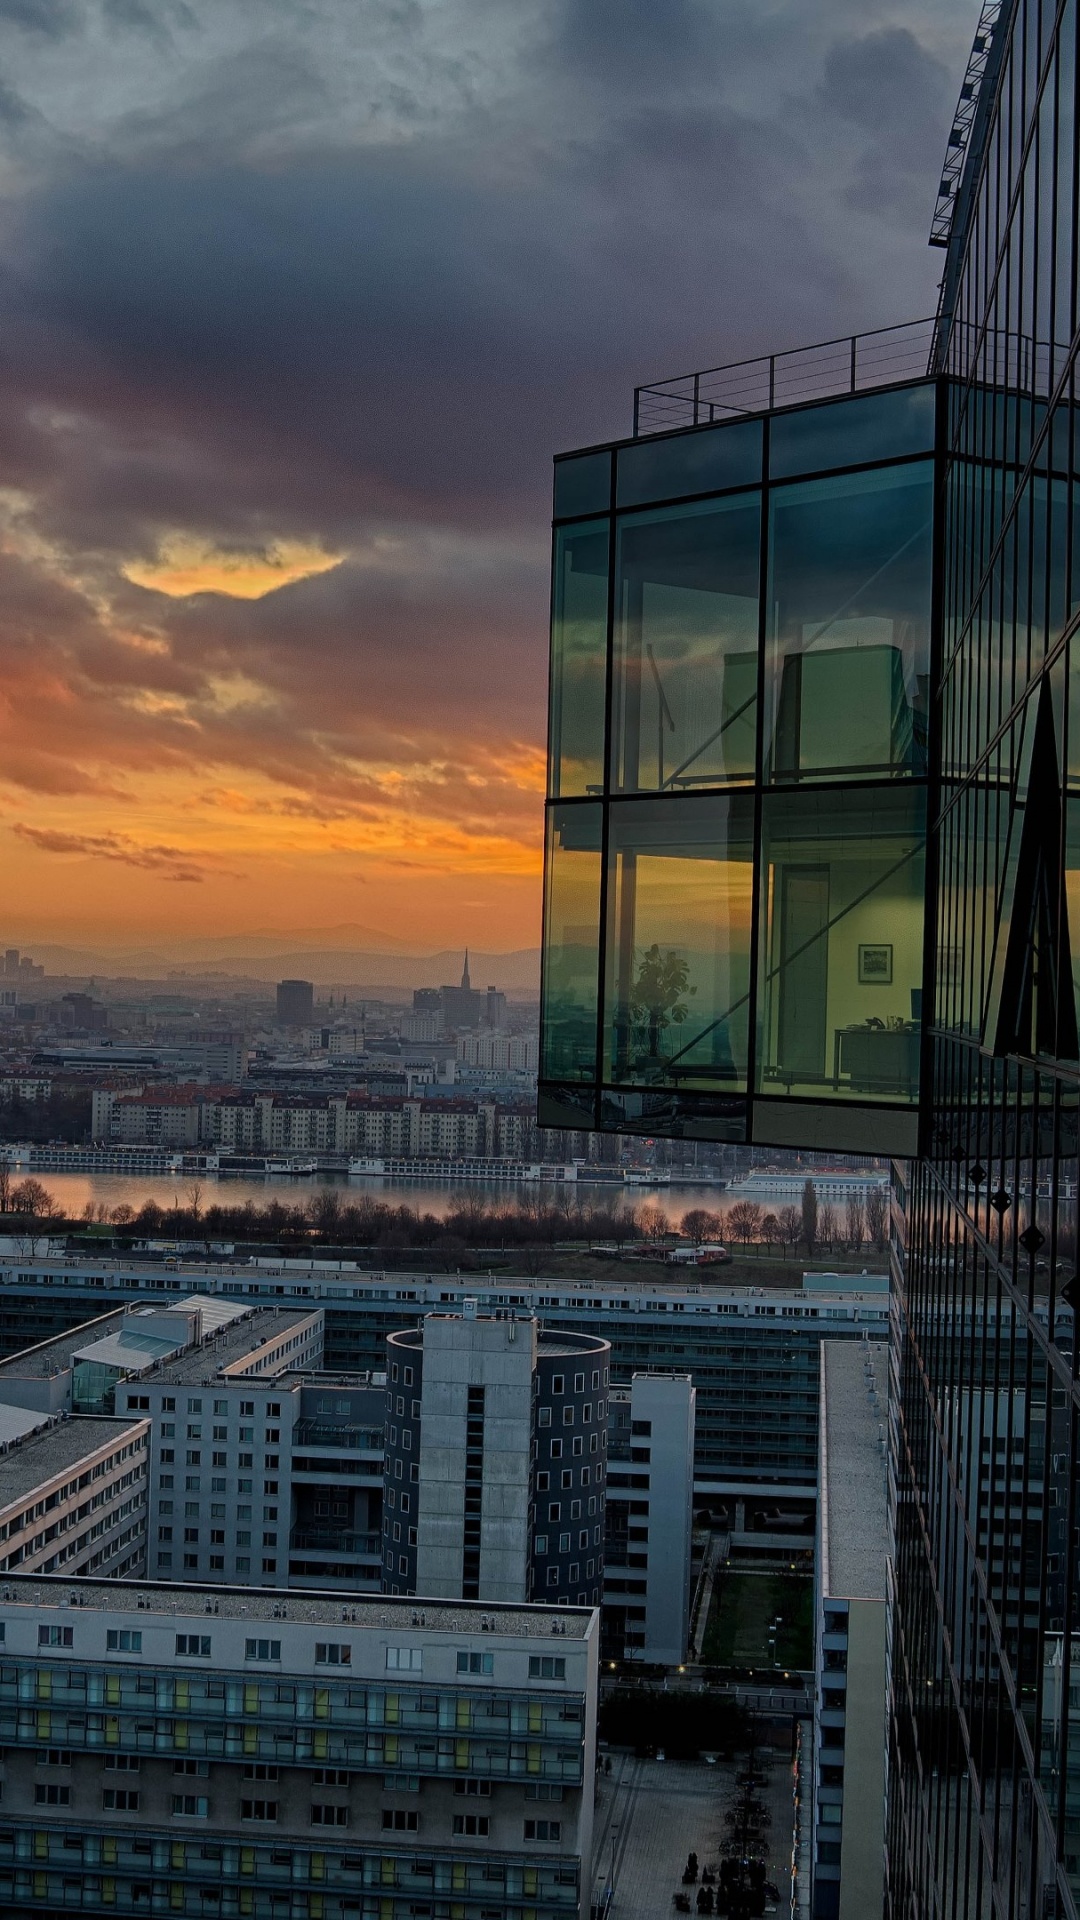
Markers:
{"x": 849, "y": 625}
{"x": 571, "y": 942}
{"x": 703, "y": 462}
{"x": 686, "y": 646}
{"x": 578, "y": 660}
{"x": 851, "y": 433}
{"x": 582, "y": 484}
{"x": 677, "y": 991}
{"x": 841, "y": 950}
{"x": 987, "y": 1455}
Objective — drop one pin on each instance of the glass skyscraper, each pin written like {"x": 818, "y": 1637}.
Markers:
{"x": 984, "y": 1812}
{"x": 813, "y": 879}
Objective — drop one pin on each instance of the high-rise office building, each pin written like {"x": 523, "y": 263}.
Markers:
{"x": 295, "y": 1003}
{"x": 813, "y": 879}
{"x": 984, "y": 1804}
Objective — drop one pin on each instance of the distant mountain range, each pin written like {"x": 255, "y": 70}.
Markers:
{"x": 345, "y": 956}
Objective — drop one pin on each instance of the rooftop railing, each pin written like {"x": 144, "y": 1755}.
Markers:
{"x": 850, "y": 364}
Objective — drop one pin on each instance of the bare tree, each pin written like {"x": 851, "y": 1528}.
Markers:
{"x": 697, "y": 1224}
{"x": 5, "y": 1187}
{"x": 877, "y": 1215}
{"x": 653, "y": 1223}
{"x": 770, "y": 1230}
{"x": 744, "y": 1220}
{"x": 195, "y": 1201}
{"x": 826, "y": 1226}
{"x": 32, "y": 1198}
{"x": 855, "y": 1222}
{"x": 123, "y": 1215}
{"x": 791, "y": 1225}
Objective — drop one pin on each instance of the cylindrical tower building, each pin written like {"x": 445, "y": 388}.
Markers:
{"x": 496, "y": 1460}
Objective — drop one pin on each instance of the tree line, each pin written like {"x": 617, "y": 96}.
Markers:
{"x": 334, "y": 1217}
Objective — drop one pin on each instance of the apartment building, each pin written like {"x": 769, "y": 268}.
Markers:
{"x": 73, "y": 1499}
{"x": 215, "y": 1750}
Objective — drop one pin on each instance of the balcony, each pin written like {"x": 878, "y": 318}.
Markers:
{"x": 317, "y": 1433}
{"x": 334, "y": 1540}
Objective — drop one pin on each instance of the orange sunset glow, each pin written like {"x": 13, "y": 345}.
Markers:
{"x": 297, "y": 305}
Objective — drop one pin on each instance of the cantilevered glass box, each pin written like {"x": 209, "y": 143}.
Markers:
{"x": 739, "y": 774}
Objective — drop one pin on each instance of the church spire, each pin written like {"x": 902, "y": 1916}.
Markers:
{"x": 465, "y": 981}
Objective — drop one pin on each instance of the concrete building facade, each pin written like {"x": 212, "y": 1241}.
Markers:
{"x": 496, "y": 1443}
{"x": 850, "y": 1636}
{"x": 220, "y": 1751}
{"x": 73, "y": 1499}
{"x": 648, "y": 1534}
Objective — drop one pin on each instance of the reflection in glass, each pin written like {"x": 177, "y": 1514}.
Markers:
{"x": 578, "y": 660}
{"x": 848, "y": 433}
{"x": 686, "y": 646}
{"x": 582, "y": 484}
{"x": 840, "y": 1001}
{"x": 678, "y": 1116}
{"x": 678, "y": 942}
{"x": 701, "y": 462}
{"x": 849, "y": 624}
{"x": 571, "y": 943}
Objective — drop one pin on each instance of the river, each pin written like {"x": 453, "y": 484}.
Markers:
{"x": 74, "y": 1191}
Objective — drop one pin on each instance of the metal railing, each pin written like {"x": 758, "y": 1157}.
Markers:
{"x": 318, "y": 1433}
{"x": 850, "y": 364}
{"x": 333, "y": 1540}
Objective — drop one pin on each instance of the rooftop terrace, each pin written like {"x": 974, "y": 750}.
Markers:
{"x": 853, "y": 363}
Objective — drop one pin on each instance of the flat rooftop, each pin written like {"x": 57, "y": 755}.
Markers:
{"x": 53, "y": 1356}
{"x": 379, "y": 1611}
{"x": 200, "y": 1365}
{"x": 854, "y": 1503}
{"x": 53, "y": 1450}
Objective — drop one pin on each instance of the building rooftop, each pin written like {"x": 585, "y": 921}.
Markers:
{"x": 52, "y": 1356}
{"x": 247, "y": 1331}
{"x": 17, "y": 1422}
{"x": 55, "y": 1449}
{"x": 854, "y": 1506}
{"x": 376, "y": 1611}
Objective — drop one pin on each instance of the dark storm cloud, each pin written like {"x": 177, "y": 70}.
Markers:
{"x": 413, "y": 326}
{"x": 52, "y": 18}
{"x": 250, "y": 305}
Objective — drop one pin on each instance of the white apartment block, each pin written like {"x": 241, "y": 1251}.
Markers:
{"x": 341, "y": 1123}
{"x": 517, "y": 1051}
{"x": 212, "y": 1750}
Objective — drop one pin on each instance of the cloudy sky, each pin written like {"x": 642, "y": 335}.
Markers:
{"x": 297, "y": 298}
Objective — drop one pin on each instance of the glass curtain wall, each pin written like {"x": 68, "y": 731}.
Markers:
{"x": 984, "y": 1787}
{"x": 741, "y": 653}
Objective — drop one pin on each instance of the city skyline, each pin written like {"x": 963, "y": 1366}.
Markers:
{"x": 293, "y": 320}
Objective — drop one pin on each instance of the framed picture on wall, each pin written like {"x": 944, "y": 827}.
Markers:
{"x": 875, "y": 966}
